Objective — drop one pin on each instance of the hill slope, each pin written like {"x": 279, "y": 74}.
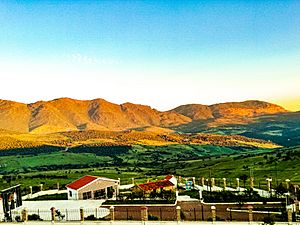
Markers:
{"x": 225, "y": 113}
{"x": 65, "y": 114}
{"x": 15, "y": 140}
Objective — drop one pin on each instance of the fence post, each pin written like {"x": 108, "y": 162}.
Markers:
{"x": 250, "y": 208}
{"x": 212, "y": 182}
{"x": 112, "y": 213}
{"x": 57, "y": 186}
{"x": 213, "y": 214}
{"x": 41, "y": 187}
{"x": 224, "y": 183}
{"x": 251, "y": 183}
{"x": 269, "y": 180}
{"x": 290, "y": 214}
{"x": 178, "y": 209}
{"x": 52, "y": 214}
{"x": 144, "y": 213}
{"x": 25, "y": 215}
{"x": 200, "y": 195}
{"x": 81, "y": 214}
{"x": 30, "y": 188}
{"x": 237, "y": 183}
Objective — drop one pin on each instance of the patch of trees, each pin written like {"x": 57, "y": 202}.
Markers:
{"x": 227, "y": 196}
{"x": 112, "y": 150}
{"x": 225, "y": 140}
{"x": 121, "y": 136}
{"x": 7, "y": 142}
{"x": 58, "y": 167}
{"x": 31, "y": 151}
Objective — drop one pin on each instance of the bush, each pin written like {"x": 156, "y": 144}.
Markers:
{"x": 182, "y": 215}
{"x": 63, "y": 196}
{"x": 217, "y": 219}
{"x": 152, "y": 217}
{"x": 18, "y": 218}
{"x": 268, "y": 220}
{"x": 34, "y": 217}
{"x": 90, "y": 217}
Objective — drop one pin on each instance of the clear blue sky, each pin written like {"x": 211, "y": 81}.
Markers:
{"x": 160, "y": 53}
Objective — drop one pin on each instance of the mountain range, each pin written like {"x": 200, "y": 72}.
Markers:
{"x": 65, "y": 114}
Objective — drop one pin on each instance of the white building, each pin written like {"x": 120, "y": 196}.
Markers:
{"x": 93, "y": 187}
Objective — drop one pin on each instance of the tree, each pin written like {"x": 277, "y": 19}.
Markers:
{"x": 137, "y": 193}
{"x": 280, "y": 189}
{"x": 244, "y": 177}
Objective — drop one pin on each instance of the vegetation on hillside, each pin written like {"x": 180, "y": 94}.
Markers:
{"x": 10, "y": 140}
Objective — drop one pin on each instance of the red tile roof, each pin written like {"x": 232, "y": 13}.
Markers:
{"x": 155, "y": 185}
{"x": 77, "y": 184}
{"x": 169, "y": 177}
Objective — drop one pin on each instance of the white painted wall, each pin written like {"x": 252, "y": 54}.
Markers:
{"x": 74, "y": 194}
{"x": 173, "y": 180}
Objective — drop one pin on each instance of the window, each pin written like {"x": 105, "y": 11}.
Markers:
{"x": 87, "y": 195}
{"x": 70, "y": 193}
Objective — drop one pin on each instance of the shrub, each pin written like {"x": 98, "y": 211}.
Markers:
{"x": 90, "y": 217}
{"x": 268, "y": 220}
{"x": 34, "y": 217}
{"x": 152, "y": 217}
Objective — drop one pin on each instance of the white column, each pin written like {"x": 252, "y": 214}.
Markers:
{"x": 237, "y": 183}
{"x": 200, "y": 195}
{"x": 224, "y": 183}
{"x": 269, "y": 180}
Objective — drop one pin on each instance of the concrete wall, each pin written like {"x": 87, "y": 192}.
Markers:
{"x": 146, "y": 223}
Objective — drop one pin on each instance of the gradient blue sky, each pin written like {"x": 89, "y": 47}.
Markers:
{"x": 159, "y": 53}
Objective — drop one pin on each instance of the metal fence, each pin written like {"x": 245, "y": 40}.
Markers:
{"x": 199, "y": 212}
{"x": 59, "y": 215}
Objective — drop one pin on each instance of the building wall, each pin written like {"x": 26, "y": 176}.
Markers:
{"x": 72, "y": 194}
{"x": 97, "y": 185}
{"x": 174, "y": 181}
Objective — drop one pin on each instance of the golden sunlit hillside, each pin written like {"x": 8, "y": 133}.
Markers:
{"x": 65, "y": 114}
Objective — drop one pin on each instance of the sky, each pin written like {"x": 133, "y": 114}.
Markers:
{"x": 157, "y": 53}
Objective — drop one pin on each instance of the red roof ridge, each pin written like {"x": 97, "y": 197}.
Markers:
{"x": 156, "y": 185}
{"x": 79, "y": 183}
{"x": 169, "y": 177}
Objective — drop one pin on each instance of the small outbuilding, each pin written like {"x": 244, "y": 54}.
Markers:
{"x": 169, "y": 183}
{"x": 93, "y": 187}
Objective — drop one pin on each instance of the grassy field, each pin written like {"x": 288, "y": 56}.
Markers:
{"x": 279, "y": 165}
{"x": 139, "y": 161}
{"x": 108, "y": 156}
{"x": 282, "y": 129}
